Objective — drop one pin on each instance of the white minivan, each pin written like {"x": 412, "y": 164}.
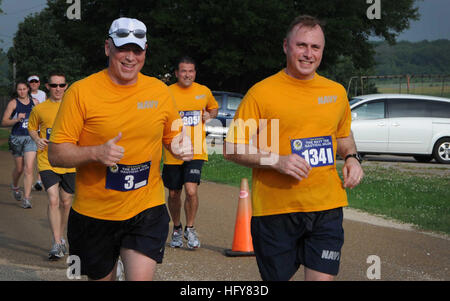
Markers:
{"x": 402, "y": 124}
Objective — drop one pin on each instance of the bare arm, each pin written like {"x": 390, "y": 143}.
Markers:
{"x": 6, "y": 120}
{"x": 40, "y": 142}
{"x": 181, "y": 147}
{"x": 210, "y": 114}
{"x": 352, "y": 170}
{"x": 69, "y": 155}
{"x": 244, "y": 154}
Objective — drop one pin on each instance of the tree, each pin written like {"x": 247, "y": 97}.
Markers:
{"x": 236, "y": 42}
{"x": 39, "y": 49}
{"x": 423, "y": 57}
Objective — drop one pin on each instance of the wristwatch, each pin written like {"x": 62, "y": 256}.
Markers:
{"x": 356, "y": 156}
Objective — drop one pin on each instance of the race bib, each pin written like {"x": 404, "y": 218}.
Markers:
{"x": 191, "y": 118}
{"x": 48, "y": 132}
{"x": 123, "y": 177}
{"x": 317, "y": 151}
{"x": 25, "y": 123}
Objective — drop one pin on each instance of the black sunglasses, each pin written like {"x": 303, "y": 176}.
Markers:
{"x": 33, "y": 81}
{"x": 57, "y": 85}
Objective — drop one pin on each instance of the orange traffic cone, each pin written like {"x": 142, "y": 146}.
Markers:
{"x": 242, "y": 241}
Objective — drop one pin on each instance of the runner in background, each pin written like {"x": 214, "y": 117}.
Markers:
{"x": 21, "y": 146}
{"x": 34, "y": 82}
{"x": 196, "y": 105}
{"x": 59, "y": 183}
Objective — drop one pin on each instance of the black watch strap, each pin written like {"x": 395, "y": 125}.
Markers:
{"x": 356, "y": 156}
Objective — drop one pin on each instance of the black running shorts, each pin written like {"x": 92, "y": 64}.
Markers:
{"x": 66, "y": 181}
{"x": 174, "y": 176}
{"x": 98, "y": 242}
{"x": 283, "y": 242}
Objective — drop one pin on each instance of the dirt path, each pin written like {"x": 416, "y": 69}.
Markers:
{"x": 404, "y": 253}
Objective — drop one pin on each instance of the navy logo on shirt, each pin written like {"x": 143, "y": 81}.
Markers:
{"x": 326, "y": 99}
{"x": 147, "y": 104}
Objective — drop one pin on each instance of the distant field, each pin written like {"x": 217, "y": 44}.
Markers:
{"x": 426, "y": 88}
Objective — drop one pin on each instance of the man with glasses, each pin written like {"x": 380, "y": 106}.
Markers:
{"x": 58, "y": 182}
{"x": 111, "y": 126}
{"x": 34, "y": 82}
{"x": 35, "y": 92}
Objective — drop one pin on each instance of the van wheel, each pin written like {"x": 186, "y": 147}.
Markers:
{"x": 423, "y": 158}
{"x": 441, "y": 151}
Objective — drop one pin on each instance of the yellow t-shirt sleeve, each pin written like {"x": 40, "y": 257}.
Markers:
{"x": 212, "y": 102}
{"x": 245, "y": 123}
{"x": 344, "y": 126}
{"x": 174, "y": 123}
{"x": 69, "y": 120}
{"x": 33, "y": 121}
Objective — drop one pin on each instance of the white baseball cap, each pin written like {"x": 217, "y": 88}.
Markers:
{"x": 127, "y": 30}
{"x": 33, "y": 77}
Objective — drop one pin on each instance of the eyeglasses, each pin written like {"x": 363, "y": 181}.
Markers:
{"x": 57, "y": 85}
{"x": 124, "y": 32}
{"x": 33, "y": 81}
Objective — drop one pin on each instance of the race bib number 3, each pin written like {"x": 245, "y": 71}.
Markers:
{"x": 190, "y": 118}
{"x": 317, "y": 151}
{"x": 123, "y": 177}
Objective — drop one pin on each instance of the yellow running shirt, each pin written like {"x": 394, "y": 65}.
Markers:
{"x": 41, "y": 118}
{"x": 93, "y": 111}
{"x": 310, "y": 115}
{"x": 191, "y": 102}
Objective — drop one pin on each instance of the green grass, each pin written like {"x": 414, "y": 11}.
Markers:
{"x": 4, "y": 134}
{"x": 405, "y": 195}
{"x": 218, "y": 170}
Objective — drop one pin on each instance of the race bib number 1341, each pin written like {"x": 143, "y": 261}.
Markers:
{"x": 317, "y": 151}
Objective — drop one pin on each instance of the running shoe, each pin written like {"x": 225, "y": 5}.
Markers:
{"x": 63, "y": 246}
{"x": 26, "y": 203}
{"x": 17, "y": 194}
{"x": 56, "y": 252}
{"x": 192, "y": 240}
{"x": 38, "y": 186}
{"x": 177, "y": 238}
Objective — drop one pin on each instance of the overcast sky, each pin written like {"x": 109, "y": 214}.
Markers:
{"x": 434, "y": 22}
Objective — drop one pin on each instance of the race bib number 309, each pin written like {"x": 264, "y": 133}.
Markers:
{"x": 317, "y": 151}
{"x": 190, "y": 118}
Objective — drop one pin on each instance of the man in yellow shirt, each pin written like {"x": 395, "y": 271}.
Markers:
{"x": 289, "y": 128}
{"x": 111, "y": 126}
{"x": 196, "y": 105}
{"x": 58, "y": 182}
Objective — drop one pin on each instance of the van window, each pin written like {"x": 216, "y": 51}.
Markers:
{"x": 440, "y": 109}
{"x": 233, "y": 102}
{"x": 408, "y": 108}
{"x": 218, "y": 98}
{"x": 369, "y": 110}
